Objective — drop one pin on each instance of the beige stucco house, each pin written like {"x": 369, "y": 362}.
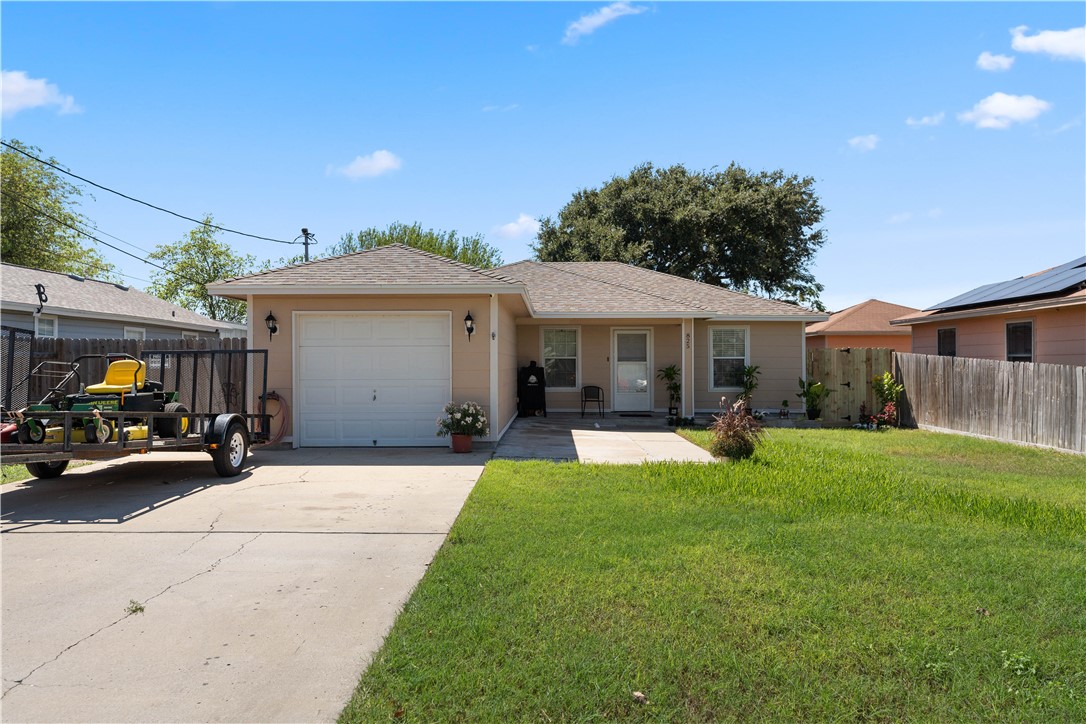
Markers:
{"x": 369, "y": 346}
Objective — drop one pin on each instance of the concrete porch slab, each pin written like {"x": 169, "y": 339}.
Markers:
{"x": 611, "y": 439}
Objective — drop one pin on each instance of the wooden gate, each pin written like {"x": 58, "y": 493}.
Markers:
{"x": 848, "y": 373}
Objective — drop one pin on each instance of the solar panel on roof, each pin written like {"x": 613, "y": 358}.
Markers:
{"x": 1052, "y": 281}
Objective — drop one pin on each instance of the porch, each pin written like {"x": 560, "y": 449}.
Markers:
{"x": 614, "y": 438}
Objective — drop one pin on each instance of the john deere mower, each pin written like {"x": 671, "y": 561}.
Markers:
{"x": 125, "y": 389}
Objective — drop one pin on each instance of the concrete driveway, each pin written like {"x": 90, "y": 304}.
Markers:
{"x": 263, "y": 597}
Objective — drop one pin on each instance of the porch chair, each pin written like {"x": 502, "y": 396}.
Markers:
{"x": 592, "y": 393}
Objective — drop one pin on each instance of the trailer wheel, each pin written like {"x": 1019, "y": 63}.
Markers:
{"x": 229, "y": 457}
{"x": 51, "y": 469}
{"x": 167, "y": 427}
{"x": 31, "y": 432}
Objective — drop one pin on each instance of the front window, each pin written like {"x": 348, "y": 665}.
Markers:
{"x": 45, "y": 325}
{"x": 560, "y": 358}
{"x": 135, "y": 333}
{"x": 948, "y": 342}
{"x": 728, "y": 354}
{"x": 1020, "y": 342}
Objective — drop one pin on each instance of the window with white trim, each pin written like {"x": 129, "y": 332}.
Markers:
{"x": 135, "y": 333}
{"x": 45, "y": 325}
{"x": 560, "y": 349}
{"x": 1019, "y": 341}
{"x": 189, "y": 335}
{"x": 729, "y": 353}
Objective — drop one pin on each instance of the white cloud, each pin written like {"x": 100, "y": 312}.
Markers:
{"x": 900, "y": 218}
{"x": 588, "y": 24}
{"x": 864, "y": 143}
{"x": 932, "y": 120}
{"x": 20, "y": 92}
{"x": 375, "y": 164}
{"x": 1001, "y": 110}
{"x": 1066, "y": 44}
{"x": 988, "y": 61}
{"x": 524, "y": 226}
{"x": 501, "y": 109}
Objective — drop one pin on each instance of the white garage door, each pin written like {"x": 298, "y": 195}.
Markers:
{"x": 372, "y": 379}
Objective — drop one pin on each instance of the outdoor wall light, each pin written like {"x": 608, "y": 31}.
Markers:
{"x": 273, "y": 324}
{"x": 469, "y": 325}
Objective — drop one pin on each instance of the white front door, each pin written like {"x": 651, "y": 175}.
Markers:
{"x": 632, "y": 370}
{"x": 367, "y": 379}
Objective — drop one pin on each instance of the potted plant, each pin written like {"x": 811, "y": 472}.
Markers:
{"x": 672, "y": 376}
{"x": 463, "y": 421}
{"x": 783, "y": 414}
{"x": 750, "y": 384}
{"x": 813, "y": 395}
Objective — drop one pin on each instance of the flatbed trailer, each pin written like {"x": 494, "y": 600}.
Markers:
{"x": 226, "y": 433}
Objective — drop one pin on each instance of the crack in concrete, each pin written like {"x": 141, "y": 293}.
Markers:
{"x": 210, "y": 530}
{"x": 19, "y": 682}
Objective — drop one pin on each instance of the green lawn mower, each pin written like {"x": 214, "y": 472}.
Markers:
{"x": 124, "y": 389}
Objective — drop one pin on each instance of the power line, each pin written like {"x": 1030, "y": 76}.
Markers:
{"x": 77, "y": 230}
{"x": 138, "y": 201}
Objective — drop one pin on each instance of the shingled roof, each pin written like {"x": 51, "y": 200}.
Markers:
{"x": 385, "y": 267}
{"x": 613, "y": 288}
{"x": 70, "y": 294}
{"x": 553, "y": 288}
{"x": 870, "y": 317}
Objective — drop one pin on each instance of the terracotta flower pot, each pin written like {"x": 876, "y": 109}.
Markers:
{"x": 461, "y": 443}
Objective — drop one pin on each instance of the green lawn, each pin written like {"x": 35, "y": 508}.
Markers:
{"x": 836, "y": 575}
{"x": 13, "y": 473}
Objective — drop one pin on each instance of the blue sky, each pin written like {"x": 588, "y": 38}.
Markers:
{"x": 946, "y": 140}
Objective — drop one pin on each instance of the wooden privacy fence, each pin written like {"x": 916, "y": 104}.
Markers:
{"x": 847, "y": 373}
{"x": 61, "y": 349}
{"x": 1038, "y": 404}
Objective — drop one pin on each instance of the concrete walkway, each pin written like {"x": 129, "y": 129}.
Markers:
{"x": 259, "y": 598}
{"x": 611, "y": 439}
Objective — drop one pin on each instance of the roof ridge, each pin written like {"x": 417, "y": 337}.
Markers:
{"x": 360, "y": 252}
{"x": 624, "y": 286}
{"x": 70, "y": 275}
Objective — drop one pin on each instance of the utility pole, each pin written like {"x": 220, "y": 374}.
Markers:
{"x": 307, "y": 241}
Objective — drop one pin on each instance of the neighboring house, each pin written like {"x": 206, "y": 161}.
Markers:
{"x": 76, "y": 307}
{"x": 863, "y": 325}
{"x": 1035, "y": 318}
{"x": 369, "y": 346}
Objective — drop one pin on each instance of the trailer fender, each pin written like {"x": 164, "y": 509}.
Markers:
{"x": 216, "y": 432}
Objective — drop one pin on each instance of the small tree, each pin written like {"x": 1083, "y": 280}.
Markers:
{"x": 195, "y": 261}
{"x": 672, "y": 377}
{"x": 466, "y": 249}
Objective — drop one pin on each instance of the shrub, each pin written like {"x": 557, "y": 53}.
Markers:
{"x": 467, "y": 418}
{"x": 888, "y": 391}
{"x": 735, "y": 434}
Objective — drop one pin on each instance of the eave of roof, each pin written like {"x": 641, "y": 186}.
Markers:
{"x": 74, "y": 296}
{"x": 54, "y": 311}
{"x": 1076, "y": 299}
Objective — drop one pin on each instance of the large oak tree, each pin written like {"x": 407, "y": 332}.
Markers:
{"x": 753, "y": 232}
